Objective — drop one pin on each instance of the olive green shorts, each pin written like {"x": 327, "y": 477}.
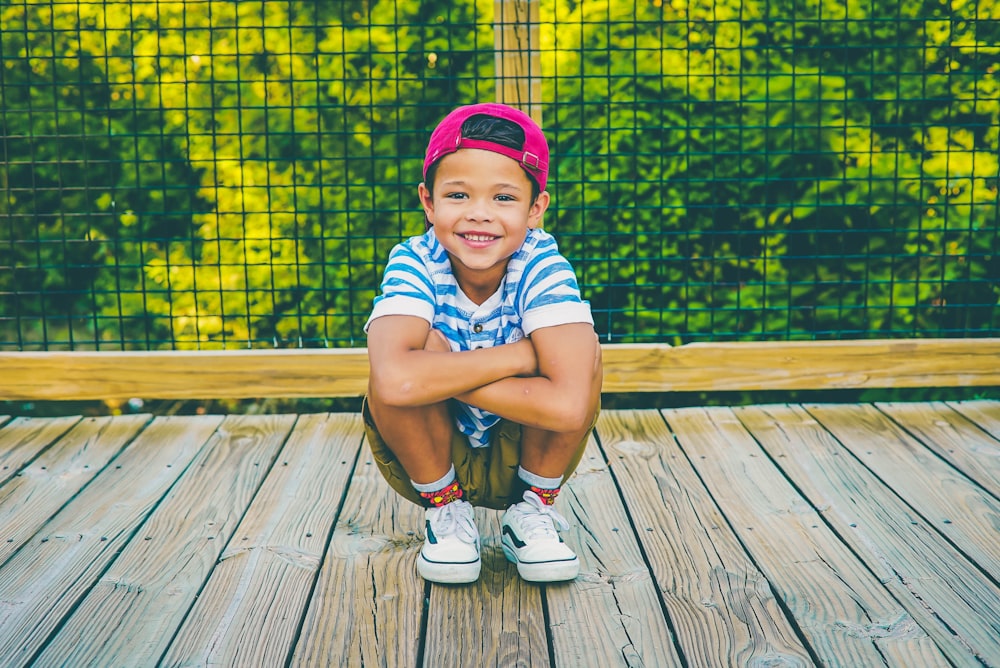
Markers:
{"x": 487, "y": 474}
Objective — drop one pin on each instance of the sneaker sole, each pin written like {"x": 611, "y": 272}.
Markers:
{"x": 448, "y": 573}
{"x": 545, "y": 571}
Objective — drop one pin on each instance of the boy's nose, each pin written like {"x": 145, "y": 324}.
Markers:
{"x": 479, "y": 210}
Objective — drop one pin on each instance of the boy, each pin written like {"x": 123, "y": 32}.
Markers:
{"x": 485, "y": 369}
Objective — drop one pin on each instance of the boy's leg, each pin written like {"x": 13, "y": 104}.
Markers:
{"x": 530, "y": 537}
{"x": 549, "y": 454}
{"x": 420, "y": 439}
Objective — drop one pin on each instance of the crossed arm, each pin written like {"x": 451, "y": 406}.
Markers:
{"x": 551, "y": 381}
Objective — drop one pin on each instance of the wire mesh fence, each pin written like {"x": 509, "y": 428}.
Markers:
{"x": 210, "y": 174}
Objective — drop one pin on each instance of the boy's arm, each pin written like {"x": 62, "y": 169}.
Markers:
{"x": 404, "y": 373}
{"x": 566, "y": 389}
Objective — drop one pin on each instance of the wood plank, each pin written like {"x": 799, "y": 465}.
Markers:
{"x": 24, "y": 438}
{"x": 44, "y": 485}
{"x": 746, "y": 365}
{"x": 949, "y": 598}
{"x": 497, "y": 621}
{"x": 942, "y": 496}
{"x": 986, "y": 414}
{"x": 42, "y": 582}
{"x": 611, "y": 614}
{"x": 799, "y": 365}
{"x": 833, "y": 599}
{"x": 722, "y": 609}
{"x": 953, "y": 437}
{"x": 249, "y": 611}
{"x": 187, "y": 374}
{"x": 367, "y": 605}
{"x": 135, "y": 608}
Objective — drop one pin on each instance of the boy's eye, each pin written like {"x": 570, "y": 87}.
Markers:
{"x": 455, "y": 196}
{"x": 506, "y": 198}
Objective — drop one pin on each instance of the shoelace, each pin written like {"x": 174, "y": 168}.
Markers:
{"x": 540, "y": 519}
{"x": 455, "y": 518}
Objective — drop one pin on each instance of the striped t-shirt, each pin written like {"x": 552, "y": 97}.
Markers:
{"x": 539, "y": 290}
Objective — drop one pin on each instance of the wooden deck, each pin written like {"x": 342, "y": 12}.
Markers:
{"x": 842, "y": 535}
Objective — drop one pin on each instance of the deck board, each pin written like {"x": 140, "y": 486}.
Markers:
{"x": 835, "y": 604}
{"x": 954, "y": 437}
{"x": 368, "y": 603}
{"x": 942, "y": 495}
{"x": 41, "y": 583}
{"x": 132, "y": 612}
{"x": 721, "y": 605}
{"x": 45, "y": 484}
{"x": 24, "y": 438}
{"x": 759, "y": 535}
{"x": 249, "y": 610}
{"x": 949, "y": 598}
{"x": 624, "y": 617}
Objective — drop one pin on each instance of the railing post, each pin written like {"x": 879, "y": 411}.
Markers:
{"x": 518, "y": 62}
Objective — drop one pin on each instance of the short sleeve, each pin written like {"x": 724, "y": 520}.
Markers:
{"x": 550, "y": 293}
{"x": 406, "y": 287}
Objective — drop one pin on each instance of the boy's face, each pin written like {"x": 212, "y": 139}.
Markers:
{"x": 481, "y": 210}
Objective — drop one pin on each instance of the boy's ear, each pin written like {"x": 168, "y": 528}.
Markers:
{"x": 426, "y": 201}
{"x": 537, "y": 209}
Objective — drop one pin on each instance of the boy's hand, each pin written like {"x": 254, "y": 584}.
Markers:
{"x": 526, "y": 351}
{"x": 436, "y": 342}
{"x": 527, "y": 360}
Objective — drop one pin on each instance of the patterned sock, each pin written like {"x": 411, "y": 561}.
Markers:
{"x": 440, "y": 492}
{"x": 547, "y": 489}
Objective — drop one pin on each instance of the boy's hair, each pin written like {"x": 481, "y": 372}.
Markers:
{"x": 492, "y": 127}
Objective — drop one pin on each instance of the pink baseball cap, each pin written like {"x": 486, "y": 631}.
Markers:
{"x": 447, "y": 138}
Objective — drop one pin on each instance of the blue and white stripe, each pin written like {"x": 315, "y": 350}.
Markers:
{"x": 539, "y": 290}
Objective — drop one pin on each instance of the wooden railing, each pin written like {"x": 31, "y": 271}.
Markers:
{"x": 236, "y": 374}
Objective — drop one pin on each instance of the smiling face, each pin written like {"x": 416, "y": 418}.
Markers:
{"x": 481, "y": 209}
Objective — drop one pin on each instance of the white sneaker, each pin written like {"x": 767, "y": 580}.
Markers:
{"x": 451, "y": 545}
{"x": 530, "y": 540}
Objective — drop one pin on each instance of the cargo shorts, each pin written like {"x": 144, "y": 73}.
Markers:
{"x": 486, "y": 474}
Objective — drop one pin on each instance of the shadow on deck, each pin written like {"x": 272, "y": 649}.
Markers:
{"x": 855, "y": 535}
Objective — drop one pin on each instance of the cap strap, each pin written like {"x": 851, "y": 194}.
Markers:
{"x": 528, "y": 160}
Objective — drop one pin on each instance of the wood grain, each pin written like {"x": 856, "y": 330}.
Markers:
{"x": 241, "y": 374}
{"x": 941, "y": 494}
{"x": 249, "y": 612}
{"x": 497, "y": 621}
{"x": 368, "y": 602}
{"x": 518, "y": 56}
{"x": 829, "y": 593}
{"x": 942, "y": 591}
{"x": 721, "y": 607}
{"x": 611, "y": 614}
{"x": 954, "y": 437}
{"x": 44, "y": 485}
{"x": 986, "y": 414}
{"x": 43, "y": 581}
{"x": 24, "y": 438}
{"x": 132, "y": 612}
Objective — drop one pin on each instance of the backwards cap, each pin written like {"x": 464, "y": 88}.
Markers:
{"x": 447, "y": 138}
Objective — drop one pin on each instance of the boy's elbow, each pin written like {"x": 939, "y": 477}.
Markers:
{"x": 393, "y": 390}
{"x": 574, "y": 416}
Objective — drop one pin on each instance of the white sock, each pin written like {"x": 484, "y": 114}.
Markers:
{"x": 437, "y": 485}
{"x": 535, "y": 480}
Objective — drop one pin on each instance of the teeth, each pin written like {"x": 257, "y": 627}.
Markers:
{"x": 479, "y": 237}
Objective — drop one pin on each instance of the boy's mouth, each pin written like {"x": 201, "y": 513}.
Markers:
{"x": 479, "y": 238}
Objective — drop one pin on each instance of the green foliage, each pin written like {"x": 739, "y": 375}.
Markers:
{"x": 221, "y": 174}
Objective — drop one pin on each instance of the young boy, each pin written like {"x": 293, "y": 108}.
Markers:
{"x": 485, "y": 368}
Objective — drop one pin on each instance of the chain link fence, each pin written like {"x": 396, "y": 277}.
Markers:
{"x": 210, "y": 174}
